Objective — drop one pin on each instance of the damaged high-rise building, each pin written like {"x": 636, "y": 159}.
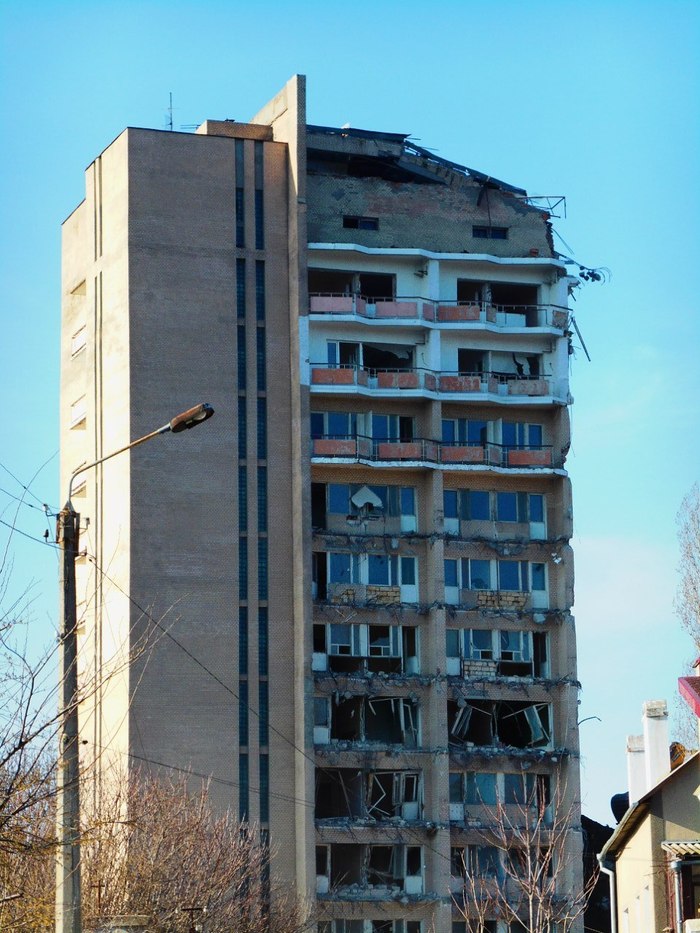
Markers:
{"x": 362, "y": 563}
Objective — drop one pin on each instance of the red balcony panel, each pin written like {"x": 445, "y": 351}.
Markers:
{"x": 460, "y": 383}
{"x": 334, "y": 377}
{"x": 530, "y": 457}
{"x": 400, "y": 380}
{"x": 333, "y": 447}
{"x": 528, "y": 387}
{"x": 400, "y": 450}
{"x": 449, "y": 313}
{"x": 396, "y": 309}
{"x": 331, "y": 304}
{"x": 462, "y": 454}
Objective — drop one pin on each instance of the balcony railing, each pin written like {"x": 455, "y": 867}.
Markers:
{"x": 412, "y": 308}
{"x": 453, "y": 383}
{"x": 426, "y": 450}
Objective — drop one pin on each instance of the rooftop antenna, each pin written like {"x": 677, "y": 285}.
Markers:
{"x": 170, "y": 113}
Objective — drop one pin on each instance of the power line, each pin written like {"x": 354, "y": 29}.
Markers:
{"x": 43, "y": 541}
{"x": 27, "y": 488}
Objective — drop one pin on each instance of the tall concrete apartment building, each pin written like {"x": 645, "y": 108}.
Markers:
{"x": 362, "y": 562}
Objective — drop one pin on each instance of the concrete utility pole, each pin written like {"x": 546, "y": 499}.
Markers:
{"x": 68, "y": 918}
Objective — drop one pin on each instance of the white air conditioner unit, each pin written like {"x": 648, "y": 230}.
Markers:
{"x": 691, "y": 926}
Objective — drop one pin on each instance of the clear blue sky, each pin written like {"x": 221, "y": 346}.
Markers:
{"x": 594, "y": 100}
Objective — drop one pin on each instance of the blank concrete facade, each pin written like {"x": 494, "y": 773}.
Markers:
{"x": 354, "y": 584}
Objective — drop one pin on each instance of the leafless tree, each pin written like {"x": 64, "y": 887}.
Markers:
{"x": 523, "y": 869}
{"x": 156, "y": 850}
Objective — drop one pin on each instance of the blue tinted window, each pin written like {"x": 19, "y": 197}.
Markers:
{"x": 242, "y": 499}
{"x": 260, "y": 290}
{"x": 538, "y": 576}
{"x": 242, "y": 428}
{"x": 262, "y": 641}
{"x": 448, "y": 432}
{"x": 535, "y": 435}
{"x": 317, "y": 424}
{"x": 332, "y": 354}
{"x": 509, "y": 434}
{"x": 476, "y": 432}
{"x": 339, "y": 568}
{"x": 380, "y": 427}
{"x": 243, "y": 568}
{"x": 264, "y": 788}
{"x": 449, "y": 503}
{"x": 479, "y": 507}
{"x": 536, "y": 508}
{"x": 262, "y": 429}
{"x": 263, "y": 712}
{"x": 243, "y": 712}
{"x": 240, "y": 287}
{"x": 240, "y": 218}
{"x": 452, "y": 640}
{"x": 262, "y": 498}
{"x": 240, "y": 356}
{"x": 243, "y": 792}
{"x": 481, "y": 788}
{"x": 338, "y": 424}
{"x": 451, "y": 573}
{"x": 259, "y": 221}
{"x": 260, "y": 359}
{"x": 509, "y": 575}
{"x": 408, "y": 571}
{"x": 507, "y": 507}
{"x": 378, "y": 565}
{"x": 408, "y": 500}
{"x": 262, "y": 568}
{"x": 243, "y": 640}
{"x": 480, "y": 574}
{"x": 338, "y": 498}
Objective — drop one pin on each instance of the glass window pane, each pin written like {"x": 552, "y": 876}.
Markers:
{"x": 538, "y": 576}
{"x": 514, "y": 788}
{"x": 408, "y": 500}
{"x": 480, "y": 574}
{"x": 479, "y": 506}
{"x": 339, "y": 568}
{"x": 449, "y": 503}
{"x": 378, "y": 565}
{"x": 482, "y": 640}
{"x": 452, "y": 642}
{"x": 338, "y": 424}
{"x": 408, "y": 571}
{"x": 455, "y": 787}
{"x": 507, "y": 507}
{"x": 316, "y": 424}
{"x": 380, "y": 427}
{"x": 451, "y": 573}
{"x": 536, "y": 508}
{"x": 476, "y": 432}
{"x": 338, "y": 498}
{"x": 448, "y": 432}
{"x": 509, "y": 575}
{"x": 535, "y": 435}
{"x": 508, "y": 434}
{"x": 481, "y": 788}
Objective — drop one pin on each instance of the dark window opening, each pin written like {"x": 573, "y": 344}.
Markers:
{"x": 469, "y": 291}
{"x": 383, "y": 356}
{"x": 320, "y": 574}
{"x": 496, "y": 723}
{"x": 489, "y": 233}
{"x": 375, "y": 285}
{"x": 330, "y": 282}
{"x": 470, "y": 362}
{"x": 318, "y": 505}
{"x": 513, "y": 295}
{"x": 351, "y": 222}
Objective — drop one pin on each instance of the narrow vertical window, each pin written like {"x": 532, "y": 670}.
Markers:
{"x": 262, "y": 569}
{"x": 264, "y": 713}
{"x": 260, "y": 290}
{"x": 263, "y": 641}
{"x": 242, "y": 428}
{"x": 242, "y": 500}
{"x": 262, "y": 429}
{"x": 241, "y": 357}
{"x": 264, "y": 789}
{"x": 243, "y": 790}
{"x": 262, "y": 498}
{"x": 259, "y": 221}
{"x": 243, "y": 568}
{"x": 243, "y": 712}
{"x": 243, "y": 640}
{"x": 240, "y": 288}
{"x": 260, "y": 359}
{"x": 240, "y": 204}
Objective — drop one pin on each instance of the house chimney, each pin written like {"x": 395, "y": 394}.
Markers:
{"x": 657, "y": 763}
{"x": 636, "y": 772}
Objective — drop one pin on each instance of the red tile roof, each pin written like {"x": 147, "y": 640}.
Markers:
{"x": 689, "y": 688}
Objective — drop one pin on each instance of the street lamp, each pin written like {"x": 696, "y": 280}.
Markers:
{"x": 68, "y": 773}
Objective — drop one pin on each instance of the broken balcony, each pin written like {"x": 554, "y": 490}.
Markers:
{"x": 363, "y": 720}
{"x": 350, "y": 794}
{"x": 369, "y": 871}
{"x": 498, "y": 724}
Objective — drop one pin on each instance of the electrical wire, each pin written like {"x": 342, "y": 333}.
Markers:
{"x": 27, "y": 488}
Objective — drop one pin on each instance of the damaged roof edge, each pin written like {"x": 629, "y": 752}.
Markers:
{"x": 429, "y": 254}
{"x": 403, "y": 140}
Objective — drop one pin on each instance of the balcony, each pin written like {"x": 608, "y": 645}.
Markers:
{"x": 432, "y": 453}
{"x": 426, "y": 311}
{"x": 346, "y": 377}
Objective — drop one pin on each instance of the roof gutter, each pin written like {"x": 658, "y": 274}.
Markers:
{"x": 608, "y": 867}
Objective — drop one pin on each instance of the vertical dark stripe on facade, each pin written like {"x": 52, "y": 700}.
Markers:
{"x": 260, "y": 359}
{"x": 260, "y": 290}
{"x": 263, "y": 641}
{"x": 259, "y": 201}
{"x": 240, "y": 199}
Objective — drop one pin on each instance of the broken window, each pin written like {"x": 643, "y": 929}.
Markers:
{"x": 391, "y": 649}
{"x": 471, "y": 362}
{"x": 478, "y": 861}
{"x": 383, "y": 720}
{"x": 480, "y": 232}
{"x": 394, "y": 795}
{"x": 330, "y": 282}
{"x": 514, "y": 296}
{"x": 347, "y": 793}
{"x": 376, "y": 285}
{"x": 470, "y": 291}
{"x": 499, "y": 723}
{"x": 516, "y": 653}
{"x": 386, "y": 867}
{"x": 351, "y": 222}
{"x": 339, "y": 794}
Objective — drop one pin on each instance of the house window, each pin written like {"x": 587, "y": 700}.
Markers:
{"x": 78, "y": 412}
{"x": 468, "y": 574}
{"x": 78, "y": 341}
{"x": 480, "y": 232}
{"x": 521, "y": 436}
{"x": 339, "y": 425}
{"x": 392, "y": 428}
{"x": 351, "y": 222}
{"x": 464, "y": 431}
